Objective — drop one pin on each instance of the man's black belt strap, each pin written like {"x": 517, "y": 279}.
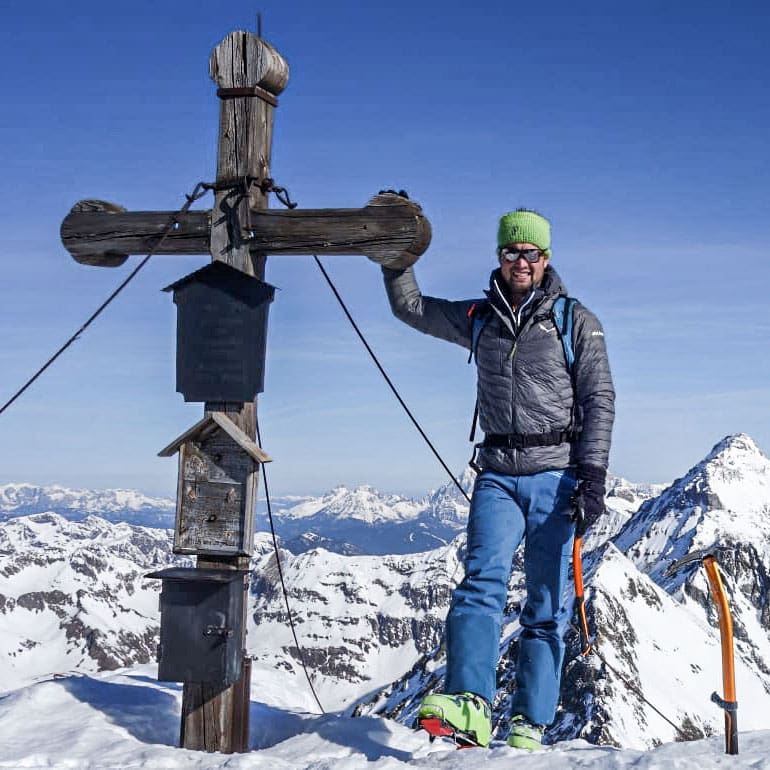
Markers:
{"x": 525, "y": 440}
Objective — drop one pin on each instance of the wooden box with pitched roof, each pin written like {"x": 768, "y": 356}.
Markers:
{"x": 221, "y": 334}
{"x": 216, "y": 492}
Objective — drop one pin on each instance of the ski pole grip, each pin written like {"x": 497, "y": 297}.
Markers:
{"x": 580, "y": 521}
{"x": 578, "y": 513}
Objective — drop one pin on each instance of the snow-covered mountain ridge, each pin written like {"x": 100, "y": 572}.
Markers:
{"x": 363, "y": 520}
{"x": 73, "y": 597}
{"x": 113, "y": 504}
{"x": 348, "y": 521}
{"x": 724, "y": 499}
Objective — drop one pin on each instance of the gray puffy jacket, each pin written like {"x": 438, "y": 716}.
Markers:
{"x": 524, "y": 386}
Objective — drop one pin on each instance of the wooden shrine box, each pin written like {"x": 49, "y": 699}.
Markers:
{"x": 221, "y": 334}
{"x": 218, "y": 466}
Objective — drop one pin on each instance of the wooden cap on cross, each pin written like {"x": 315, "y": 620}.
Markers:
{"x": 250, "y": 74}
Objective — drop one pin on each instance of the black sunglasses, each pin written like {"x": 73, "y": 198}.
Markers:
{"x": 511, "y": 255}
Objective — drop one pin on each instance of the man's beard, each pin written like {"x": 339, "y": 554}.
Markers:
{"x": 520, "y": 288}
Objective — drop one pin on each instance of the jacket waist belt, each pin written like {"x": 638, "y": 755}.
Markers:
{"x": 525, "y": 440}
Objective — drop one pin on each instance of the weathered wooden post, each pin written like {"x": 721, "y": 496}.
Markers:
{"x": 249, "y": 74}
{"x": 218, "y": 459}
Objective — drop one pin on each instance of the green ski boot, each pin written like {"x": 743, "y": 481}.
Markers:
{"x": 525, "y": 735}
{"x": 465, "y": 718}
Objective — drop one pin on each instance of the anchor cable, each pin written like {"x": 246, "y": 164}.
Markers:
{"x": 283, "y": 192}
{"x": 631, "y": 687}
{"x": 283, "y": 195}
{"x": 300, "y": 650}
{"x": 198, "y": 192}
{"x": 388, "y": 380}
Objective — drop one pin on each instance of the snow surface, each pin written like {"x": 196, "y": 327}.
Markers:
{"x": 127, "y": 719}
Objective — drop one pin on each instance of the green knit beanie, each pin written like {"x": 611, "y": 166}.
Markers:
{"x": 523, "y": 226}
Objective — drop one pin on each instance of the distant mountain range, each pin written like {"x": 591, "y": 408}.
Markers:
{"x": 345, "y": 521}
{"x": 115, "y": 505}
{"x": 73, "y": 596}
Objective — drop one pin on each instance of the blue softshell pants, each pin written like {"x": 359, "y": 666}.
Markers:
{"x": 504, "y": 509}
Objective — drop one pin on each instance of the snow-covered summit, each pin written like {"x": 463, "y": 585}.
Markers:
{"x": 627, "y": 496}
{"x": 363, "y": 503}
{"x": 448, "y": 503}
{"x": 365, "y": 520}
{"x": 738, "y": 474}
{"x": 723, "y": 500}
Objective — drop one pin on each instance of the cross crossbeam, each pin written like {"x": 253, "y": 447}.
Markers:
{"x": 390, "y": 229}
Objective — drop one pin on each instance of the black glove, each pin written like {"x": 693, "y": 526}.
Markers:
{"x": 588, "y": 497}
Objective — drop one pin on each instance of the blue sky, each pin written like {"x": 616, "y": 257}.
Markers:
{"x": 639, "y": 128}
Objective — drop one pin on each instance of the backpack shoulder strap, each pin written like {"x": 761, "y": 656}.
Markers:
{"x": 479, "y": 313}
{"x": 563, "y": 312}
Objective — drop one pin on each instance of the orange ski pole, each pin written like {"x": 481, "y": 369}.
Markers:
{"x": 729, "y": 703}
{"x": 577, "y": 569}
{"x": 580, "y": 602}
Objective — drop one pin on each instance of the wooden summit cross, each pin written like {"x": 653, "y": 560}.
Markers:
{"x": 240, "y": 232}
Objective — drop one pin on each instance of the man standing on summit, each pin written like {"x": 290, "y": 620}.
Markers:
{"x": 547, "y": 422}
